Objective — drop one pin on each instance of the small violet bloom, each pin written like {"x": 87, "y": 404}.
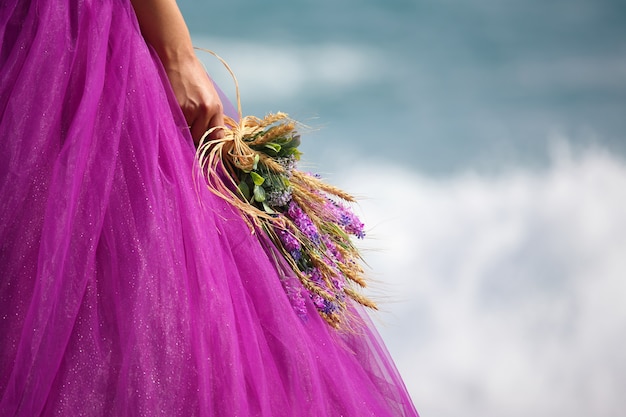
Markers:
{"x": 303, "y": 222}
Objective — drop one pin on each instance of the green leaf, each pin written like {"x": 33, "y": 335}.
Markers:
{"x": 256, "y": 178}
{"x": 256, "y": 161}
{"x": 267, "y": 208}
{"x": 259, "y": 194}
{"x": 294, "y": 142}
{"x": 270, "y": 182}
{"x": 273, "y": 146}
{"x": 244, "y": 190}
{"x": 293, "y": 151}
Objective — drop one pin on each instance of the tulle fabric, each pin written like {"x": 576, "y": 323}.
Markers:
{"x": 126, "y": 288}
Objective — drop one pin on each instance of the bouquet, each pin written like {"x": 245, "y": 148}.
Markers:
{"x": 254, "y": 167}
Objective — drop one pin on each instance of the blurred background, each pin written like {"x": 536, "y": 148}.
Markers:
{"x": 486, "y": 140}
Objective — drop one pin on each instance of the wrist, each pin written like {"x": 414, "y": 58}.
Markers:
{"x": 172, "y": 56}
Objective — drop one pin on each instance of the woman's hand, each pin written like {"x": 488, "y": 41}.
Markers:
{"x": 197, "y": 98}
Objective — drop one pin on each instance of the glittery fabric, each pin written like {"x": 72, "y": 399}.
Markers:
{"x": 126, "y": 290}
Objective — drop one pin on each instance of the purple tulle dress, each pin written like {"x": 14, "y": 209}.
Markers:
{"x": 126, "y": 289}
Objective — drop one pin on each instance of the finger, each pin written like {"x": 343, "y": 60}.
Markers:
{"x": 189, "y": 112}
{"x": 198, "y": 127}
{"x": 217, "y": 122}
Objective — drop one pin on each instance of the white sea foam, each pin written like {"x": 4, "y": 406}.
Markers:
{"x": 510, "y": 289}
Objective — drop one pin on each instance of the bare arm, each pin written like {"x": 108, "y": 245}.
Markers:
{"x": 163, "y": 27}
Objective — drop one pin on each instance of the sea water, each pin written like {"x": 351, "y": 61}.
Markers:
{"x": 439, "y": 85}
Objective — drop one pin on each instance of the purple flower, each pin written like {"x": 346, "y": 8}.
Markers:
{"x": 290, "y": 242}
{"x": 303, "y": 222}
{"x": 331, "y": 248}
{"x": 293, "y": 290}
{"x": 346, "y": 218}
{"x": 315, "y": 275}
{"x": 318, "y": 301}
{"x": 329, "y": 307}
{"x": 278, "y": 198}
{"x": 339, "y": 284}
{"x": 288, "y": 163}
{"x": 288, "y": 239}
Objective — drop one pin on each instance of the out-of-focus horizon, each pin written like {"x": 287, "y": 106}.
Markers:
{"x": 445, "y": 85}
{"x": 487, "y": 139}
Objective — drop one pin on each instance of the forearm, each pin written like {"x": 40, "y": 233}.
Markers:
{"x": 163, "y": 27}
